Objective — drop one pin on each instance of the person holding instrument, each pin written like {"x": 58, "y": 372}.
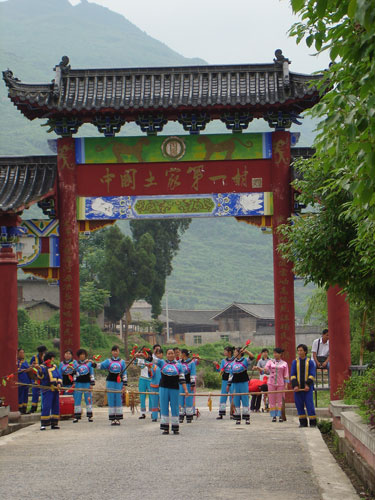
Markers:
{"x": 239, "y": 383}
{"x": 172, "y": 375}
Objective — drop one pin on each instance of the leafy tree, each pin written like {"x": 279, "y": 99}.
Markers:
{"x": 91, "y": 254}
{"x": 92, "y": 299}
{"x": 166, "y": 235}
{"x": 335, "y": 243}
{"x": 127, "y": 272}
{"x": 345, "y": 144}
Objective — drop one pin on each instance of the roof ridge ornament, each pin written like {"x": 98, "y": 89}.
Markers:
{"x": 284, "y": 62}
{"x": 61, "y": 69}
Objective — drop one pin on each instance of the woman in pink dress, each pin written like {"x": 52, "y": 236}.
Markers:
{"x": 277, "y": 381}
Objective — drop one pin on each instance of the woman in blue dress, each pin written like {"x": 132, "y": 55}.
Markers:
{"x": 224, "y": 369}
{"x": 172, "y": 375}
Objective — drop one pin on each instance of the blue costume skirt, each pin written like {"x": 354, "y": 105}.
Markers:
{"x": 115, "y": 411}
{"x": 187, "y": 403}
{"x": 239, "y": 387}
{"x": 78, "y": 399}
{"x": 154, "y": 402}
{"x": 169, "y": 397}
{"x": 223, "y": 399}
{"x": 144, "y": 386}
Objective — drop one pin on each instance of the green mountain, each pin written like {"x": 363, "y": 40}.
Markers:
{"x": 220, "y": 261}
{"x": 35, "y": 34}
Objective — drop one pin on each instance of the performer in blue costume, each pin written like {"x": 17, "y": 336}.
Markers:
{"x": 154, "y": 385}
{"x": 83, "y": 379}
{"x": 116, "y": 379}
{"x": 190, "y": 372}
{"x": 239, "y": 380}
{"x": 68, "y": 368}
{"x": 49, "y": 375}
{"x": 23, "y": 377}
{"x": 303, "y": 374}
{"x": 36, "y": 361}
{"x": 224, "y": 369}
{"x": 171, "y": 377}
{"x": 144, "y": 383}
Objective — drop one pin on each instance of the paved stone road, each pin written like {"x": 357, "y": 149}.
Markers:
{"x": 209, "y": 460}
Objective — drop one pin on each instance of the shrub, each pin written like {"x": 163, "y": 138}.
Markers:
{"x": 92, "y": 336}
{"x": 211, "y": 379}
{"x": 360, "y": 390}
{"x": 325, "y": 426}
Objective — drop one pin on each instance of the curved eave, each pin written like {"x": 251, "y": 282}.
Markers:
{"x": 25, "y": 181}
{"x": 32, "y": 110}
{"x": 255, "y": 89}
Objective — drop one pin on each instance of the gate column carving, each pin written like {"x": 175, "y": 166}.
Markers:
{"x": 8, "y": 309}
{"x": 282, "y": 270}
{"x": 69, "y": 246}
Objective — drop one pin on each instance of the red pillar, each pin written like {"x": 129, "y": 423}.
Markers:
{"x": 69, "y": 246}
{"x": 282, "y": 270}
{"x": 8, "y": 324}
{"x": 339, "y": 340}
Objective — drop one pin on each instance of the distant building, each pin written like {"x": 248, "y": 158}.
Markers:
{"x": 244, "y": 317}
{"x": 42, "y": 299}
{"x": 234, "y": 324}
{"x": 39, "y": 310}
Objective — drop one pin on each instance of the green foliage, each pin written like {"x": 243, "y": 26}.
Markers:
{"x": 325, "y": 426}
{"x": 166, "y": 235}
{"x": 92, "y": 299}
{"x": 92, "y": 336}
{"x": 360, "y": 391}
{"x": 118, "y": 273}
{"x": 317, "y": 313}
{"x": 345, "y": 159}
{"x": 211, "y": 379}
{"x": 33, "y": 333}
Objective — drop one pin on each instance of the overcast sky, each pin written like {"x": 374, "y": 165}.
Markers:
{"x": 220, "y": 31}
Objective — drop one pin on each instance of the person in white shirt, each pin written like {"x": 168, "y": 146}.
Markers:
{"x": 320, "y": 351}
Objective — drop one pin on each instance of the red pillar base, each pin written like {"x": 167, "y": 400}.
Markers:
{"x": 339, "y": 340}
{"x": 8, "y": 325}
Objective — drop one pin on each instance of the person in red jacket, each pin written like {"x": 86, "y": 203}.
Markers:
{"x": 257, "y": 385}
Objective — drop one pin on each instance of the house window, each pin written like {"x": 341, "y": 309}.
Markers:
{"x": 225, "y": 338}
{"x": 197, "y": 339}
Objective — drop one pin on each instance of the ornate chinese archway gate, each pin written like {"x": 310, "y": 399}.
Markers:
{"x": 194, "y": 166}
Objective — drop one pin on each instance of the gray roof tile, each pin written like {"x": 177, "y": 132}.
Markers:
{"x": 254, "y": 87}
{"x": 25, "y": 180}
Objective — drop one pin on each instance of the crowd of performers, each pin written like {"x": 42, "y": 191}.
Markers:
{"x": 173, "y": 379}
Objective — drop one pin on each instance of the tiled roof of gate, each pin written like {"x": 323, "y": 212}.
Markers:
{"x": 86, "y": 92}
{"x": 25, "y": 180}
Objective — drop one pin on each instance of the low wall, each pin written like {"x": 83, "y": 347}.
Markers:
{"x": 337, "y": 408}
{"x": 4, "y": 417}
{"x": 356, "y": 441}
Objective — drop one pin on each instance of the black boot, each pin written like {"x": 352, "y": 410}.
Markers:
{"x": 220, "y": 417}
{"x": 303, "y": 422}
{"x": 312, "y": 422}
